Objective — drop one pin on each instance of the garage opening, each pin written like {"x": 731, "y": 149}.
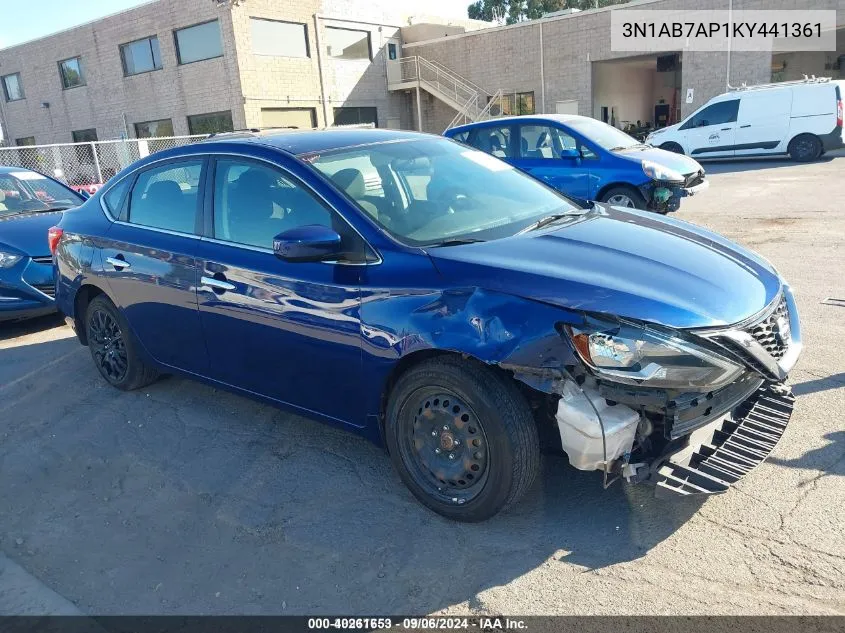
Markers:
{"x": 638, "y": 94}
{"x": 299, "y": 118}
{"x": 793, "y": 66}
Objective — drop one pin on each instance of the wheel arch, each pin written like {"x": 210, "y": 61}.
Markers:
{"x": 81, "y": 300}
{"x": 612, "y": 185}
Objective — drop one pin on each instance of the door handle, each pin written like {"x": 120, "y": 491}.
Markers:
{"x": 118, "y": 262}
{"x": 217, "y": 284}
{"x": 725, "y": 129}
{"x": 746, "y": 125}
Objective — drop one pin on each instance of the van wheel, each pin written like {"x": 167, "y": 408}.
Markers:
{"x": 114, "y": 348}
{"x": 624, "y": 197}
{"x": 462, "y": 438}
{"x": 805, "y": 147}
{"x": 672, "y": 147}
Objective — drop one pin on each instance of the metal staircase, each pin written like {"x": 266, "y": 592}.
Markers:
{"x": 471, "y": 102}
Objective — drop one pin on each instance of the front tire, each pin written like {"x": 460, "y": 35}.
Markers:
{"x": 462, "y": 438}
{"x": 805, "y": 148}
{"x": 114, "y": 348}
{"x": 624, "y": 197}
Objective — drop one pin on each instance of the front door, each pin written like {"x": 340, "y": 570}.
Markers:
{"x": 541, "y": 152}
{"x": 287, "y": 331}
{"x": 711, "y": 131}
{"x": 148, "y": 261}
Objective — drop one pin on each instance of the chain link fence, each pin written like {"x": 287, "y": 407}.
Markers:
{"x": 85, "y": 165}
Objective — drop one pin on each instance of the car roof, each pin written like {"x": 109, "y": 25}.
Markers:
{"x": 8, "y": 169}
{"x": 309, "y": 141}
{"x": 557, "y": 118}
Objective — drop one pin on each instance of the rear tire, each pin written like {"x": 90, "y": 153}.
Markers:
{"x": 114, "y": 348}
{"x": 462, "y": 438}
{"x": 624, "y": 197}
{"x": 805, "y": 148}
{"x": 672, "y": 147}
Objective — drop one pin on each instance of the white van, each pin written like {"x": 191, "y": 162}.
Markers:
{"x": 799, "y": 118}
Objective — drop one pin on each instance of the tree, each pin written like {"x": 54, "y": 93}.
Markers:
{"x": 513, "y": 11}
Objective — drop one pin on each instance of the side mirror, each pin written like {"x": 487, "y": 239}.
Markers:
{"x": 703, "y": 123}
{"x": 84, "y": 194}
{"x": 311, "y": 243}
{"x": 570, "y": 153}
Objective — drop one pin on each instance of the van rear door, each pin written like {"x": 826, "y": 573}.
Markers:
{"x": 762, "y": 125}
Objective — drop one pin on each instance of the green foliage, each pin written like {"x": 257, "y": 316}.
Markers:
{"x": 513, "y": 11}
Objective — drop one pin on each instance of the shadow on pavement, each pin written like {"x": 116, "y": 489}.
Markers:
{"x": 829, "y": 459}
{"x": 836, "y": 381}
{"x": 181, "y": 498}
{"x": 29, "y": 326}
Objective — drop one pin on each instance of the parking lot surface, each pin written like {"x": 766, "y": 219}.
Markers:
{"x": 180, "y": 498}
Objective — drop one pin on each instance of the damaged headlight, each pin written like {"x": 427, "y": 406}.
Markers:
{"x": 639, "y": 355}
{"x": 7, "y": 260}
{"x": 659, "y": 172}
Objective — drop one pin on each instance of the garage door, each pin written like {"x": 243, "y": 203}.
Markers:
{"x": 301, "y": 118}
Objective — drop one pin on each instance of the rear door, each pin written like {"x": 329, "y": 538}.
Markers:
{"x": 148, "y": 259}
{"x": 763, "y": 122}
{"x": 711, "y": 131}
{"x": 287, "y": 331}
{"x": 539, "y": 149}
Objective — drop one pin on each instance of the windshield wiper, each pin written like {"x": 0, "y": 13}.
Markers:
{"x": 458, "y": 241}
{"x": 539, "y": 224}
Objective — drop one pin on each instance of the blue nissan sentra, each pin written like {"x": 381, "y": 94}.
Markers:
{"x": 439, "y": 302}
{"x": 588, "y": 159}
{"x": 30, "y": 203}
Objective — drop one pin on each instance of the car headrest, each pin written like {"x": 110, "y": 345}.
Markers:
{"x": 352, "y": 182}
{"x": 495, "y": 143}
{"x": 164, "y": 193}
{"x": 257, "y": 179}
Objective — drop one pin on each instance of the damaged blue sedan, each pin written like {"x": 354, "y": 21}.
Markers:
{"x": 439, "y": 302}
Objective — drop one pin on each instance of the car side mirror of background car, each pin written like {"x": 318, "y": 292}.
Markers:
{"x": 310, "y": 243}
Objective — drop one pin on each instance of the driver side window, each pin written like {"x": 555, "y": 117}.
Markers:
{"x": 716, "y": 114}
{"x": 254, "y": 202}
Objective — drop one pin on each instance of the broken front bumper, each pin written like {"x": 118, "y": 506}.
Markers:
{"x": 722, "y": 452}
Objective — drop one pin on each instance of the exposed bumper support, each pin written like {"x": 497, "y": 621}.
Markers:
{"x": 721, "y": 453}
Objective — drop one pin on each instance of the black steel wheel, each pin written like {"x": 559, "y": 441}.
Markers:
{"x": 444, "y": 445}
{"x": 461, "y": 437}
{"x": 107, "y": 345}
{"x": 804, "y": 148}
{"x": 113, "y": 347}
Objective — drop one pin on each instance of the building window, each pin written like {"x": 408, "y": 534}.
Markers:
{"x": 279, "y": 39}
{"x": 141, "y": 56}
{"x": 347, "y": 43}
{"x": 154, "y": 129}
{"x": 196, "y": 43}
{"x": 12, "y": 87}
{"x": 71, "y": 72}
{"x": 26, "y": 141}
{"x": 524, "y": 103}
{"x": 355, "y": 116}
{"x": 84, "y": 136}
{"x": 211, "y": 123}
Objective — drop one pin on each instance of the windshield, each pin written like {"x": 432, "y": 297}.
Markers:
{"x": 604, "y": 135}
{"x": 430, "y": 192}
{"x": 22, "y": 191}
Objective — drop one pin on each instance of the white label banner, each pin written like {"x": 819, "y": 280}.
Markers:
{"x": 649, "y": 30}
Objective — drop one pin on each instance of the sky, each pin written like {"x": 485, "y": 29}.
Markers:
{"x": 35, "y": 18}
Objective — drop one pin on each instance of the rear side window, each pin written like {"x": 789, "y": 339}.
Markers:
{"x": 167, "y": 197}
{"x": 716, "y": 114}
{"x": 114, "y": 197}
{"x": 493, "y": 140}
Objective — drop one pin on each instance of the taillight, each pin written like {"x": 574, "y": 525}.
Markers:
{"x": 54, "y": 234}
{"x": 839, "y": 113}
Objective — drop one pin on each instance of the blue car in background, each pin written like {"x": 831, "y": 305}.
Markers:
{"x": 587, "y": 159}
{"x": 439, "y": 302}
{"x": 30, "y": 203}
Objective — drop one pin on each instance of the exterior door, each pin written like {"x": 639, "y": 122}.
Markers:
{"x": 763, "y": 122}
{"x": 539, "y": 148}
{"x": 148, "y": 260}
{"x": 711, "y": 132}
{"x": 297, "y": 118}
{"x": 287, "y": 331}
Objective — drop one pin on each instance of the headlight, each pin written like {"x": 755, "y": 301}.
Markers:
{"x": 7, "y": 260}
{"x": 659, "y": 172}
{"x": 639, "y": 355}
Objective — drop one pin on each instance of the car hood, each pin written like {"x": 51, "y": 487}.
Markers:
{"x": 682, "y": 164}
{"x": 625, "y": 263}
{"x": 27, "y": 232}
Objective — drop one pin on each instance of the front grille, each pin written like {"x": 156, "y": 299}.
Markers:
{"x": 47, "y": 259}
{"x": 47, "y": 289}
{"x": 737, "y": 446}
{"x": 769, "y": 332}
